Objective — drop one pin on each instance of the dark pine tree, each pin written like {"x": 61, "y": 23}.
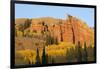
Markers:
{"x": 37, "y": 58}
{"x": 47, "y": 58}
{"x": 27, "y": 23}
{"x": 24, "y": 26}
{"x": 79, "y": 53}
{"x": 85, "y": 52}
{"x": 44, "y": 58}
{"x": 21, "y": 28}
{"x": 53, "y": 61}
{"x": 68, "y": 55}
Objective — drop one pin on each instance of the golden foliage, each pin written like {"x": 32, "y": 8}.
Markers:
{"x": 58, "y": 50}
{"x": 19, "y": 33}
{"x": 28, "y": 55}
{"x": 51, "y": 50}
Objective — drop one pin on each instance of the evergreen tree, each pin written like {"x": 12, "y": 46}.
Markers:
{"x": 85, "y": 53}
{"x": 51, "y": 40}
{"x": 44, "y": 58}
{"x": 91, "y": 52}
{"x": 47, "y": 58}
{"x": 79, "y": 53}
{"x": 68, "y": 55}
{"x": 53, "y": 61}
{"x": 24, "y": 26}
{"x": 27, "y": 23}
{"x": 21, "y": 28}
{"x": 37, "y": 58}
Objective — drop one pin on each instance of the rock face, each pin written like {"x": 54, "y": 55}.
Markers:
{"x": 78, "y": 31}
{"x": 69, "y": 30}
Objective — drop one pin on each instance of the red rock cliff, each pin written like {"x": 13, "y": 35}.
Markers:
{"x": 70, "y": 30}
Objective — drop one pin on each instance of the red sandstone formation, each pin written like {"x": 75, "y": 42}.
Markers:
{"x": 69, "y": 30}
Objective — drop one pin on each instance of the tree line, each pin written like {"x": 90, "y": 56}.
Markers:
{"x": 77, "y": 54}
